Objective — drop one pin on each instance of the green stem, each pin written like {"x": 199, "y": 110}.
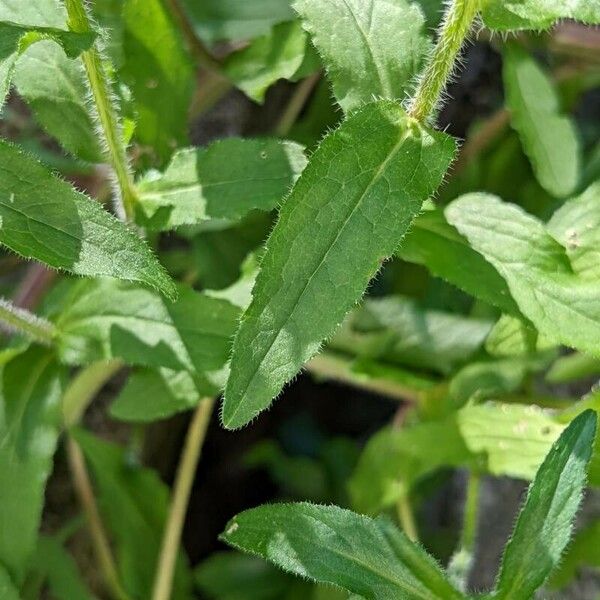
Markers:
{"x": 84, "y": 490}
{"x": 21, "y": 320}
{"x": 471, "y": 512}
{"x": 454, "y": 29}
{"x": 186, "y": 471}
{"x": 84, "y": 387}
{"x": 407, "y": 517}
{"x": 296, "y": 104}
{"x": 107, "y": 114}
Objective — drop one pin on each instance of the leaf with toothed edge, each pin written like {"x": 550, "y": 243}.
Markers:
{"x": 335, "y": 546}
{"x": 346, "y": 214}
{"x": 45, "y": 218}
{"x": 545, "y": 522}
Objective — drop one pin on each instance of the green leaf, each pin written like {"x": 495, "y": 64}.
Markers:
{"x": 234, "y": 576}
{"x": 561, "y": 304}
{"x": 371, "y": 48}
{"x": 348, "y": 211}
{"x": 55, "y": 88}
{"x": 398, "y": 330}
{"x": 511, "y": 337}
{"x": 160, "y": 74}
{"x": 435, "y": 244}
{"x": 572, "y": 367}
{"x": 16, "y": 37}
{"x": 133, "y": 502}
{"x": 280, "y": 54}
{"x": 55, "y": 563}
{"x": 29, "y": 422}
{"x": 153, "y": 394}
{"x": 545, "y": 522}
{"x": 576, "y": 226}
{"x": 395, "y": 459}
{"x": 106, "y": 319}
{"x": 331, "y": 545}
{"x": 537, "y": 14}
{"x": 549, "y": 138}
{"x": 44, "y": 218}
{"x": 216, "y": 20}
{"x": 226, "y": 180}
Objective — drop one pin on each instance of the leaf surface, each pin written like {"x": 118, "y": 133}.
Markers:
{"x": 106, "y": 319}
{"x": 331, "y": 545}
{"x": 159, "y": 71}
{"x": 30, "y": 418}
{"x": 562, "y": 305}
{"x": 45, "y": 218}
{"x": 348, "y": 211}
{"x": 371, "y": 48}
{"x": 226, "y": 180}
{"x": 549, "y": 138}
{"x": 545, "y": 522}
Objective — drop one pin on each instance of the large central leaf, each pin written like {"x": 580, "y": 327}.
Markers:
{"x": 347, "y": 213}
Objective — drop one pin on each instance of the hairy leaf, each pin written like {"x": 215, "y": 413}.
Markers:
{"x": 336, "y": 546}
{"x": 394, "y": 459}
{"x": 537, "y": 14}
{"x": 283, "y": 53}
{"x": 31, "y": 390}
{"x": 226, "y": 180}
{"x": 371, "y": 48}
{"x": 44, "y": 218}
{"x": 55, "y": 88}
{"x": 348, "y": 211}
{"x": 152, "y": 394}
{"x": 545, "y": 522}
{"x": 435, "y": 244}
{"x": 159, "y": 71}
{"x": 215, "y": 20}
{"x": 110, "y": 319}
{"x": 549, "y": 138}
{"x": 562, "y": 305}
{"x": 133, "y": 502}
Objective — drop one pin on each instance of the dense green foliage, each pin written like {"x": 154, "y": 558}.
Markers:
{"x": 352, "y": 235}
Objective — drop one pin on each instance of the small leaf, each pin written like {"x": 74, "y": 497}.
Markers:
{"x": 348, "y": 211}
{"x": 7, "y": 590}
{"x": 331, "y": 545}
{"x": 549, "y": 138}
{"x": 224, "y": 181}
{"x": 545, "y": 522}
{"x": 371, "y": 48}
{"x": 435, "y": 244}
{"x": 55, "y": 88}
{"x": 511, "y": 337}
{"x": 217, "y": 20}
{"x": 133, "y": 502}
{"x": 537, "y": 14}
{"x": 159, "y": 71}
{"x": 44, "y": 218}
{"x": 280, "y": 54}
{"x": 32, "y": 385}
{"x": 106, "y": 319}
{"x": 153, "y": 394}
{"x": 561, "y": 304}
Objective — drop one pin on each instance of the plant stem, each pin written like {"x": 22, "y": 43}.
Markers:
{"x": 407, "y": 517}
{"x": 83, "y": 488}
{"x": 84, "y": 387}
{"x": 296, "y": 104}
{"x": 454, "y": 29}
{"x": 107, "y": 114}
{"x": 471, "y": 513}
{"x": 21, "y": 320}
{"x": 196, "y": 434}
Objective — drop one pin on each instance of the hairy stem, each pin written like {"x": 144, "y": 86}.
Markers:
{"x": 84, "y": 387}
{"x": 83, "y": 488}
{"x": 107, "y": 114}
{"x": 454, "y": 29}
{"x": 181, "y": 495}
{"x": 22, "y": 321}
{"x": 407, "y": 517}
